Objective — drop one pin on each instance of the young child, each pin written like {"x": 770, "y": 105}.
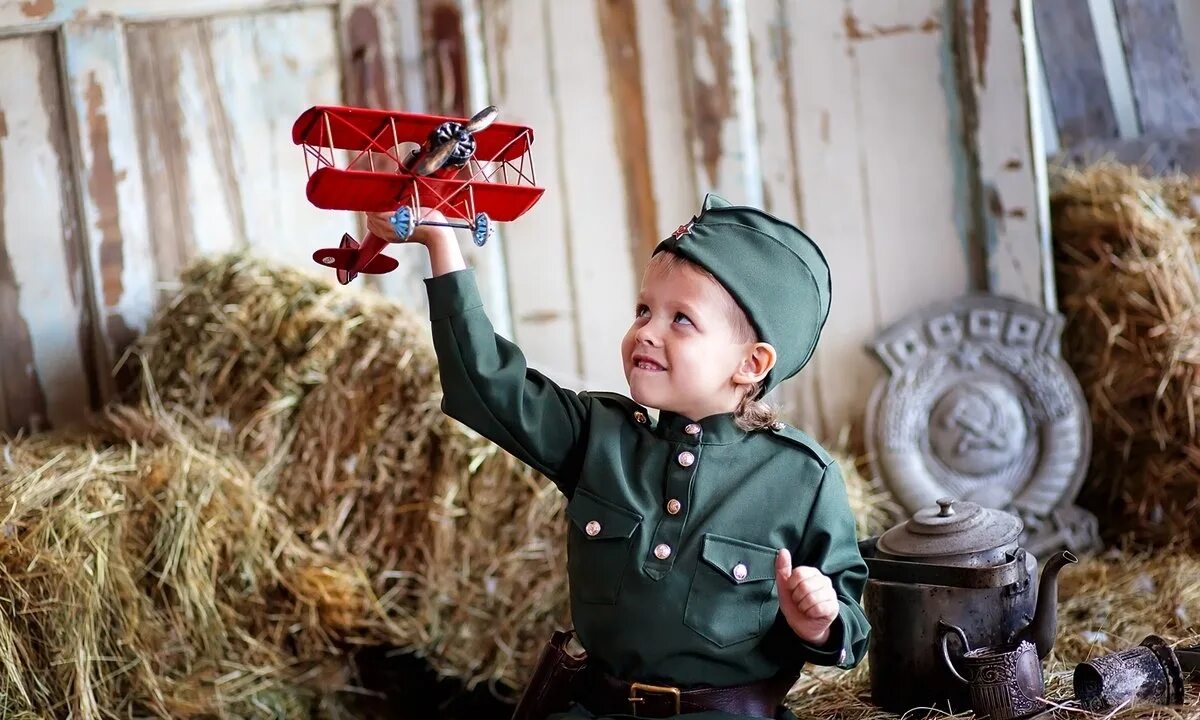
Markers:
{"x": 682, "y": 531}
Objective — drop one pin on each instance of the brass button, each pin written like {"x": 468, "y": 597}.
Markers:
{"x": 592, "y": 528}
{"x": 640, "y": 416}
{"x": 692, "y": 429}
{"x": 740, "y": 572}
{"x": 663, "y": 551}
{"x": 674, "y": 506}
{"x": 777, "y": 425}
{"x": 686, "y": 458}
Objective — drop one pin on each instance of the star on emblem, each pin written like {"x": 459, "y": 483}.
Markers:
{"x": 682, "y": 230}
{"x": 968, "y": 357}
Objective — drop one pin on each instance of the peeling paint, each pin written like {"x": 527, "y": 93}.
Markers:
{"x": 713, "y": 102}
{"x": 618, "y": 33}
{"x": 1013, "y": 164}
{"x": 855, "y": 30}
{"x": 826, "y": 136}
{"x": 37, "y": 9}
{"x": 446, "y": 69}
{"x": 24, "y": 403}
{"x": 963, "y": 111}
{"x": 366, "y": 81}
{"x": 979, "y": 27}
{"x": 102, "y": 188}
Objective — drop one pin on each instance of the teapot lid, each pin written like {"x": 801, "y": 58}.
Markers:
{"x": 953, "y": 528}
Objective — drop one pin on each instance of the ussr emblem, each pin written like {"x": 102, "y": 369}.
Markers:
{"x": 980, "y": 406}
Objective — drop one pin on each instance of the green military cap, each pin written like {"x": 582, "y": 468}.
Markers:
{"x": 771, "y": 268}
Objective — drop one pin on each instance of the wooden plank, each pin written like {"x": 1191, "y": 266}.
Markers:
{"x": 1164, "y": 85}
{"x": 618, "y": 23}
{"x": 994, "y": 91}
{"x": 831, "y": 164}
{"x": 541, "y": 293}
{"x": 219, "y": 137}
{"x": 1071, "y": 58}
{"x": 45, "y": 333}
{"x": 381, "y": 65}
{"x": 297, "y": 51}
{"x": 674, "y": 187}
{"x": 719, "y": 93}
{"x": 1189, "y": 28}
{"x": 119, "y": 253}
{"x": 595, "y": 180}
{"x": 28, "y": 15}
{"x": 911, "y": 172}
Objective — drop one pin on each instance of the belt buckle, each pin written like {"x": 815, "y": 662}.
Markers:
{"x": 634, "y": 698}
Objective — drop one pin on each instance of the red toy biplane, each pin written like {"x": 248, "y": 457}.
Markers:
{"x": 474, "y": 171}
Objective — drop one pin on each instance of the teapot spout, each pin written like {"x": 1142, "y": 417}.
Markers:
{"x": 1042, "y": 628}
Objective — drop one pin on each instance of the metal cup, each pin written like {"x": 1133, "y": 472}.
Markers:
{"x": 1004, "y": 682}
{"x": 1149, "y": 672}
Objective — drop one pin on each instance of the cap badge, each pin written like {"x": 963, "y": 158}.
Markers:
{"x": 682, "y": 230}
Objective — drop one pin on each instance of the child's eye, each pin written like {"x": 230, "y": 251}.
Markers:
{"x": 681, "y": 318}
{"x": 641, "y": 311}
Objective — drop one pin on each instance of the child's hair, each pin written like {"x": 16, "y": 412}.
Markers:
{"x": 750, "y": 414}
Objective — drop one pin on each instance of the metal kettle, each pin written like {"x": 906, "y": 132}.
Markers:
{"x": 957, "y": 563}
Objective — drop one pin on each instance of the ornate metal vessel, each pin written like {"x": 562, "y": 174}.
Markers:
{"x": 1005, "y": 682}
{"x": 958, "y": 563}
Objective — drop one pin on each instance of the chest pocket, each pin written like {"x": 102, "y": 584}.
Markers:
{"x": 599, "y": 545}
{"x": 731, "y": 598}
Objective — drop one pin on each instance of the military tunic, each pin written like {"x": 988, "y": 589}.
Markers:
{"x": 674, "y": 525}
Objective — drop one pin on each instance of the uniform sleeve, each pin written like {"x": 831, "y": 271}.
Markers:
{"x": 487, "y": 386}
{"x": 830, "y": 544}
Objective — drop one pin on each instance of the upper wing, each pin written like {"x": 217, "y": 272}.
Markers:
{"x": 351, "y": 128}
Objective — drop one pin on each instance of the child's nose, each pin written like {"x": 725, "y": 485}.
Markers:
{"x": 646, "y": 335}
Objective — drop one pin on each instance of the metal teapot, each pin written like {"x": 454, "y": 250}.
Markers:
{"x": 959, "y": 564}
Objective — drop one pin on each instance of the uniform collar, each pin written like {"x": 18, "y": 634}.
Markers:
{"x": 718, "y": 429}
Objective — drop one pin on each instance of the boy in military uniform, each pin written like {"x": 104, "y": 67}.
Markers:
{"x": 682, "y": 530}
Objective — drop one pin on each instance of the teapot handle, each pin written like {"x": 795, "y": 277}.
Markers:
{"x": 944, "y": 630}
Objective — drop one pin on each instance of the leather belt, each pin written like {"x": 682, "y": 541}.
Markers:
{"x": 603, "y": 694}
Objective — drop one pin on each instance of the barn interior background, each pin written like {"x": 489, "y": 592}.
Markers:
{"x": 909, "y": 137}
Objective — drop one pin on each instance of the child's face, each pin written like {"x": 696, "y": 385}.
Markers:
{"x": 682, "y": 352}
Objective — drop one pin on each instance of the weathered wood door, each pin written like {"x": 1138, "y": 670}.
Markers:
{"x": 135, "y": 134}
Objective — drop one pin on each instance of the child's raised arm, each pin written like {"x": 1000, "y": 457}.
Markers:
{"x": 486, "y": 383}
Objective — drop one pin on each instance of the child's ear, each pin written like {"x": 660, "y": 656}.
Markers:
{"x": 756, "y": 364}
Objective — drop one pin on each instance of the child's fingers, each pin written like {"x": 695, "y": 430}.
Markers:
{"x": 824, "y": 610}
{"x": 783, "y": 565}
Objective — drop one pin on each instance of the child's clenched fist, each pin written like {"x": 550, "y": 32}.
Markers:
{"x": 806, "y": 598}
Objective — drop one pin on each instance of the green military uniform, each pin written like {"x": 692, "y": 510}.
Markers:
{"x": 674, "y": 524}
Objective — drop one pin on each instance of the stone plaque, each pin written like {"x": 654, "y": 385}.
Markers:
{"x": 979, "y": 406}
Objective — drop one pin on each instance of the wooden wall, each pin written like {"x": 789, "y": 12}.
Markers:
{"x": 1119, "y": 78}
{"x": 900, "y": 134}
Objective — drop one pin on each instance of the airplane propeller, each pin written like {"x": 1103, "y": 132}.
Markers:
{"x": 453, "y": 143}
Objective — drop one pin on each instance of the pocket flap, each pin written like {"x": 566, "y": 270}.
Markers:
{"x": 600, "y": 519}
{"x": 738, "y": 560}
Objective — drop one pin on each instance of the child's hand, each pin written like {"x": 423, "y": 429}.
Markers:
{"x": 806, "y": 598}
{"x": 380, "y": 224}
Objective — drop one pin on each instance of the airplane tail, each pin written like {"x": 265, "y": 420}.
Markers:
{"x": 346, "y": 257}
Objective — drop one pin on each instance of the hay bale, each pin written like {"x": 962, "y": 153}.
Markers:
{"x": 238, "y": 346}
{"x": 335, "y": 397}
{"x": 150, "y": 579}
{"x": 1125, "y": 260}
{"x": 1106, "y": 603}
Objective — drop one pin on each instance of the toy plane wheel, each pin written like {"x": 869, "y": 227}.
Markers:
{"x": 402, "y": 223}
{"x": 482, "y": 230}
